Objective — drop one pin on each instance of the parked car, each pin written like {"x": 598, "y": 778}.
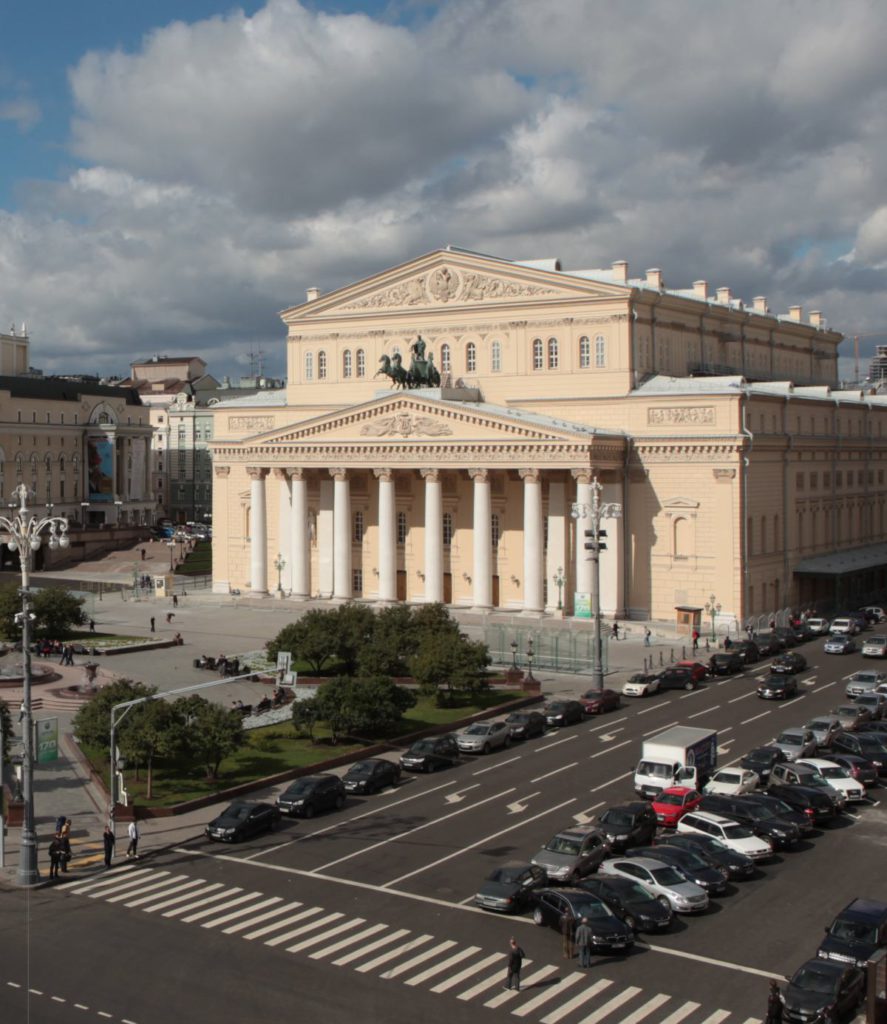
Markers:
{"x": 572, "y": 853}
{"x": 840, "y": 644}
{"x": 732, "y": 782}
{"x": 662, "y": 880}
{"x": 738, "y": 865}
{"x": 484, "y": 737}
{"x": 596, "y": 702}
{"x": 875, "y": 703}
{"x": 733, "y": 835}
{"x": 824, "y": 728}
{"x": 608, "y": 930}
{"x": 877, "y": 727}
{"x": 766, "y": 822}
{"x": 796, "y": 742}
{"x": 724, "y": 663}
{"x": 821, "y": 990}
{"x": 867, "y": 680}
{"x": 778, "y": 687}
{"x": 693, "y": 866}
{"x": 818, "y": 806}
{"x": 835, "y": 776}
{"x": 875, "y": 647}
{"x": 697, "y": 670}
{"x": 677, "y": 679}
{"x": 507, "y": 889}
{"x": 747, "y": 651}
{"x": 770, "y": 643}
{"x": 860, "y": 768}
{"x": 779, "y": 811}
{"x": 562, "y": 712}
{"x": 760, "y": 760}
{"x": 431, "y": 753}
{"x": 631, "y": 901}
{"x": 631, "y": 824}
{"x": 312, "y": 793}
{"x": 851, "y": 716}
{"x": 871, "y": 746}
{"x": 856, "y": 934}
{"x": 371, "y": 775}
{"x": 844, "y": 625}
{"x": 790, "y": 662}
{"x": 641, "y": 684}
{"x": 799, "y": 774}
{"x": 793, "y": 635}
{"x": 818, "y": 626}
{"x": 524, "y": 725}
{"x": 241, "y": 820}
{"x": 673, "y": 802}
{"x": 874, "y": 613}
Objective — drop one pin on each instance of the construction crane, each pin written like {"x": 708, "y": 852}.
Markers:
{"x": 856, "y": 338}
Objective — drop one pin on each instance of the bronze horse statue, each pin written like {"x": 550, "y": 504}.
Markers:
{"x": 421, "y": 374}
{"x": 391, "y": 367}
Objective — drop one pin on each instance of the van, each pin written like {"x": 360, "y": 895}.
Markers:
{"x": 858, "y": 932}
{"x": 844, "y": 626}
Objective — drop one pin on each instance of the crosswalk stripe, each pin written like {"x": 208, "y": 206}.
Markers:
{"x": 192, "y": 892}
{"x": 152, "y": 896}
{"x": 476, "y": 968}
{"x": 277, "y": 925}
{"x": 680, "y": 1013}
{"x": 119, "y": 886}
{"x": 161, "y": 884}
{"x": 276, "y": 912}
{"x": 328, "y": 934}
{"x": 214, "y": 898}
{"x": 373, "y": 929}
{"x": 392, "y": 954}
{"x": 716, "y": 1017}
{"x": 575, "y": 1002}
{"x": 753, "y": 1020}
{"x": 531, "y": 979}
{"x": 176, "y": 888}
{"x": 493, "y": 979}
{"x": 209, "y": 911}
{"x": 611, "y": 1005}
{"x": 319, "y": 922}
{"x": 548, "y": 993}
{"x": 216, "y": 921}
{"x": 652, "y": 1004}
{"x": 419, "y": 959}
{"x": 108, "y": 879}
{"x": 371, "y": 947}
{"x": 444, "y": 965}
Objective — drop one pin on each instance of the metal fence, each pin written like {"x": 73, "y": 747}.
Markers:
{"x": 554, "y": 650}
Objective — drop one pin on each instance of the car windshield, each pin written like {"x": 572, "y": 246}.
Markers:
{"x": 556, "y": 708}
{"x": 834, "y": 772}
{"x": 592, "y": 909}
{"x": 565, "y": 845}
{"x": 617, "y": 818}
{"x": 737, "y": 832}
{"x": 478, "y": 729}
{"x": 238, "y": 811}
{"x": 517, "y": 718}
{"x": 654, "y": 770}
{"x": 671, "y": 799}
{"x": 759, "y": 756}
{"x": 509, "y": 875}
{"x": 759, "y": 813}
{"x": 667, "y": 876}
{"x": 812, "y": 979}
{"x": 794, "y": 739}
{"x": 726, "y": 777}
{"x": 361, "y": 768}
{"x": 635, "y": 894}
{"x": 298, "y": 787}
{"x": 854, "y": 931}
{"x": 638, "y": 678}
{"x": 871, "y": 743}
{"x": 422, "y": 747}
{"x": 849, "y": 710}
{"x": 822, "y": 725}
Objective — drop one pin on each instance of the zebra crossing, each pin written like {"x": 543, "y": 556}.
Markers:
{"x": 550, "y": 993}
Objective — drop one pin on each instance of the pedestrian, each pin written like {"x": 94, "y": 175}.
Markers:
{"x": 614, "y": 631}
{"x": 59, "y": 823}
{"x": 583, "y": 941}
{"x": 169, "y": 617}
{"x": 774, "y": 1005}
{"x": 108, "y": 841}
{"x": 515, "y": 959}
{"x": 695, "y": 640}
{"x": 647, "y": 635}
{"x": 133, "y": 832}
{"x": 175, "y": 601}
{"x": 65, "y": 843}
{"x": 568, "y": 925}
{"x": 55, "y": 856}
{"x": 143, "y": 554}
{"x": 728, "y": 643}
{"x": 152, "y": 623}
{"x": 92, "y": 625}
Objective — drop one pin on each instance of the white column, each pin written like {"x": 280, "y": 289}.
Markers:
{"x": 613, "y": 559}
{"x": 532, "y": 540}
{"x": 299, "y": 550}
{"x": 221, "y": 562}
{"x": 387, "y": 536}
{"x": 583, "y": 523}
{"x": 283, "y": 531}
{"x": 258, "y": 529}
{"x": 342, "y": 590}
{"x": 556, "y": 552}
{"x": 482, "y": 571}
{"x": 433, "y": 536}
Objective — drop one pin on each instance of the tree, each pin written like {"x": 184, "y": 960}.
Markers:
{"x": 148, "y": 735}
{"x": 55, "y": 612}
{"x": 92, "y": 723}
{"x": 393, "y": 642}
{"x": 306, "y": 714}
{"x": 360, "y": 707}
{"x": 453, "y": 663}
{"x": 354, "y": 627}
{"x": 334, "y": 704}
{"x": 314, "y": 638}
{"x": 213, "y": 733}
{"x": 5, "y": 729}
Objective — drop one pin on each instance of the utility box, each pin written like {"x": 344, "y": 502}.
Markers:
{"x": 164, "y": 586}
{"x": 687, "y": 619}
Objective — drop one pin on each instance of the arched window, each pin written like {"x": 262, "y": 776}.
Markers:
{"x": 446, "y": 363}
{"x": 495, "y": 532}
{"x": 496, "y": 356}
{"x": 309, "y": 366}
{"x": 552, "y": 353}
{"x": 401, "y": 527}
{"x": 584, "y": 353}
{"x": 19, "y": 467}
{"x": 537, "y": 354}
{"x": 447, "y": 529}
{"x": 321, "y": 365}
{"x": 361, "y": 363}
{"x": 681, "y": 537}
{"x": 47, "y": 462}
{"x": 358, "y": 527}
{"x": 470, "y": 357}
{"x": 346, "y": 363}
{"x": 75, "y": 473}
{"x": 600, "y": 351}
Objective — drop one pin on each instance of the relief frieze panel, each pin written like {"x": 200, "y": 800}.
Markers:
{"x": 672, "y": 415}
{"x": 250, "y": 422}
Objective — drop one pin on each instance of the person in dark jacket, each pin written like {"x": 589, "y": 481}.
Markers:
{"x": 55, "y": 856}
{"x": 108, "y": 841}
{"x": 583, "y": 941}
{"x": 515, "y": 959}
{"x": 774, "y": 1006}
{"x": 568, "y": 926}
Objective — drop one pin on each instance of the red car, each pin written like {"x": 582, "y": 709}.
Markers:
{"x": 673, "y": 803}
{"x": 596, "y": 702}
{"x": 698, "y": 671}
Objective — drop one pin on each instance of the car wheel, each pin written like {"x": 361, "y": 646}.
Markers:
{"x": 630, "y": 921}
{"x": 340, "y": 802}
{"x": 308, "y": 811}
{"x": 689, "y": 685}
{"x": 507, "y": 742}
{"x": 486, "y": 749}
{"x": 537, "y": 917}
{"x": 664, "y": 901}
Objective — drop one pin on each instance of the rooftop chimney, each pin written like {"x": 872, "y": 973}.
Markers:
{"x": 725, "y": 296}
{"x": 700, "y": 289}
{"x": 759, "y": 302}
{"x": 794, "y": 312}
{"x": 620, "y": 271}
{"x": 654, "y": 279}
{"x": 312, "y": 294}
{"x": 817, "y": 319}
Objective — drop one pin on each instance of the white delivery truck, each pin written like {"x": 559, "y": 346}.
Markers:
{"x": 680, "y": 756}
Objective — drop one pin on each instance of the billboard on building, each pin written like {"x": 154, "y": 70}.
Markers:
{"x": 100, "y": 453}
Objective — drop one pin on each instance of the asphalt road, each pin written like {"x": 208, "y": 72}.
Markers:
{"x": 369, "y": 909}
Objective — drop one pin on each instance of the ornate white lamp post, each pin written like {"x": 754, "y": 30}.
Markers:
{"x": 23, "y": 530}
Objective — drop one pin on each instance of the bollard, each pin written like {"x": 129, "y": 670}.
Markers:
{"x": 671, "y": 654}
{"x": 661, "y": 659}
{"x": 707, "y": 646}
{"x": 683, "y": 652}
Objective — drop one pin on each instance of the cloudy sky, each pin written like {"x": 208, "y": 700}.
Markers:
{"x": 168, "y": 185}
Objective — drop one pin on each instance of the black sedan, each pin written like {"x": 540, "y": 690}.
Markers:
{"x": 761, "y": 760}
{"x": 509, "y": 889}
{"x": 778, "y": 686}
{"x": 781, "y": 813}
{"x": 677, "y": 679}
{"x": 607, "y": 930}
{"x": 822, "y": 990}
{"x": 724, "y": 663}
{"x": 747, "y": 650}
{"x": 371, "y": 775}
{"x": 693, "y": 866}
{"x": 749, "y": 811}
{"x": 563, "y": 712}
{"x": 790, "y": 662}
{"x": 737, "y": 864}
{"x": 523, "y": 725}
{"x": 241, "y": 820}
{"x": 818, "y": 806}
{"x": 631, "y": 901}
{"x": 430, "y": 754}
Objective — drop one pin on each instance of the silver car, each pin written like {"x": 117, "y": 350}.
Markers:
{"x": 482, "y": 737}
{"x": 851, "y": 716}
{"x": 824, "y": 728}
{"x": 875, "y": 702}
{"x": 795, "y": 743}
{"x": 864, "y": 681}
{"x": 661, "y": 880}
{"x": 573, "y": 853}
{"x": 875, "y": 647}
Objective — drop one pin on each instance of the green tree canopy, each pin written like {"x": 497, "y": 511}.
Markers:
{"x": 314, "y": 638}
{"x": 445, "y": 663}
{"x": 55, "y": 612}
{"x": 212, "y": 732}
{"x": 361, "y": 707}
{"x": 393, "y": 642}
{"x": 148, "y": 734}
{"x": 92, "y": 723}
{"x": 354, "y": 625}
{"x": 306, "y": 714}
{"x": 6, "y": 729}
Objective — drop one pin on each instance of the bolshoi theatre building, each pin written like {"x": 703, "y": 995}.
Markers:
{"x": 446, "y": 424}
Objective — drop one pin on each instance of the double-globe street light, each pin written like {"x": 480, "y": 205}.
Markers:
{"x": 23, "y": 530}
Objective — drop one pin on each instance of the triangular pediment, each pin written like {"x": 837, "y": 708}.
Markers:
{"x": 447, "y": 279}
{"x": 679, "y": 503}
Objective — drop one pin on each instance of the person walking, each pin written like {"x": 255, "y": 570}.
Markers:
{"x": 65, "y": 842}
{"x": 583, "y": 941}
{"x": 152, "y": 623}
{"x": 92, "y": 625}
{"x": 132, "y": 849}
{"x": 108, "y": 841}
{"x": 614, "y": 631}
{"x": 515, "y": 960}
{"x": 647, "y": 635}
{"x": 568, "y": 925}
{"x": 55, "y": 856}
{"x": 695, "y": 640}
{"x": 774, "y": 1005}
{"x": 175, "y": 601}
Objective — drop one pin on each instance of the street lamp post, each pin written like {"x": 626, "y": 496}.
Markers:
{"x": 279, "y": 565}
{"x": 595, "y": 543}
{"x": 514, "y": 655}
{"x": 171, "y": 544}
{"x": 530, "y": 655}
{"x": 713, "y": 609}
{"x": 559, "y": 581}
{"x": 24, "y": 530}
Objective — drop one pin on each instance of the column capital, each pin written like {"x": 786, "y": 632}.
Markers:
{"x": 296, "y": 472}
{"x": 533, "y": 475}
{"x": 386, "y": 474}
{"x": 432, "y": 475}
{"x": 479, "y": 475}
{"x": 582, "y": 476}
{"x": 280, "y": 473}
{"x": 257, "y": 472}
{"x": 339, "y": 473}
{"x": 222, "y": 471}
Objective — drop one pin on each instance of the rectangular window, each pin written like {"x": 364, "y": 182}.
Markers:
{"x": 401, "y": 527}
{"x": 827, "y": 480}
{"x": 814, "y": 481}
{"x": 600, "y": 352}
{"x": 839, "y": 478}
{"x": 799, "y": 481}
{"x": 358, "y": 528}
{"x": 357, "y": 581}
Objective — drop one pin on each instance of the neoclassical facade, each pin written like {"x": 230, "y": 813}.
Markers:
{"x": 715, "y": 425}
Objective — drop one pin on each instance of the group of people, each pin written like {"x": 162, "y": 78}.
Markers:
{"x": 60, "y": 847}
{"x": 576, "y": 937}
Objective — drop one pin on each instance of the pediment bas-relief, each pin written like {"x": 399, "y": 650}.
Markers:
{"x": 679, "y": 503}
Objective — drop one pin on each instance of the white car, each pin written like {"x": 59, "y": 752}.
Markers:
{"x": 641, "y": 685}
{"x": 875, "y": 611}
{"x": 875, "y": 647}
{"x": 733, "y": 835}
{"x": 732, "y": 782}
{"x": 836, "y": 776}
{"x": 819, "y": 626}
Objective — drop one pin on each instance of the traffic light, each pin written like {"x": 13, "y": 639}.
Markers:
{"x": 595, "y": 541}
{"x": 590, "y": 544}
{"x": 601, "y": 546}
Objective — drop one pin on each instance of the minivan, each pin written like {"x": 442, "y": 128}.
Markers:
{"x": 845, "y": 626}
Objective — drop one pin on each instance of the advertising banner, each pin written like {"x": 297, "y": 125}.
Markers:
{"x": 47, "y": 740}
{"x": 582, "y": 606}
{"x": 100, "y": 453}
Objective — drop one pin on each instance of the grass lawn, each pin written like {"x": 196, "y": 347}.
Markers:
{"x": 197, "y": 562}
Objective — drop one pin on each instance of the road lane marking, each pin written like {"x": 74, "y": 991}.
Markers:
{"x": 498, "y": 764}
{"x": 557, "y": 743}
{"x": 819, "y": 689}
{"x": 716, "y": 1018}
{"x": 411, "y": 831}
{"x": 699, "y": 958}
{"x": 80, "y": 1006}
{"x": 574, "y": 1003}
{"x": 492, "y": 981}
{"x": 660, "y": 728}
{"x": 681, "y": 1013}
{"x": 644, "y": 1011}
{"x": 132, "y": 886}
{"x": 556, "y": 771}
{"x": 612, "y": 1004}
{"x": 201, "y": 914}
{"x": 609, "y": 724}
{"x": 216, "y": 921}
{"x": 584, "y": 817}
{"x": 168, "y": 892}
{"x": 328, "y": 933}
{"x": 726, "y": 729}
{"x": 707, "y": 711}
{"x": 527, "y": 982}
{"x": 548, "y": 993}
{"x": 259, "y": 932}
{"x": 750, "y": 693}
{"x": 318, "y": 922}
{"x": 161, "y": 884}
{"x": 618, "y": 778}
{"x": 58, "y": 999}
{"x": 610, "y": 750}
{"x": 692, "y": 693}
{"x": 79, "y": 887}
{"x": 392, "y": 954}
{"x": 349, "y": 940}
{"x": 610, "y": 736}
{"x": 459, "y": 795}
{"x": 276, "y": 912}
{"x": 519, "y": 806}
{"x": 653, "y": 707}
{"x": 755, "y": 718}
{"x": 202, "y": 903}
{"x": 794, "y": 700}
{"x": 181, "y": 899}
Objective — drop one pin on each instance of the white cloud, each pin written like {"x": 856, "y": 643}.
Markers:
{"x": 23, "y": 111}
